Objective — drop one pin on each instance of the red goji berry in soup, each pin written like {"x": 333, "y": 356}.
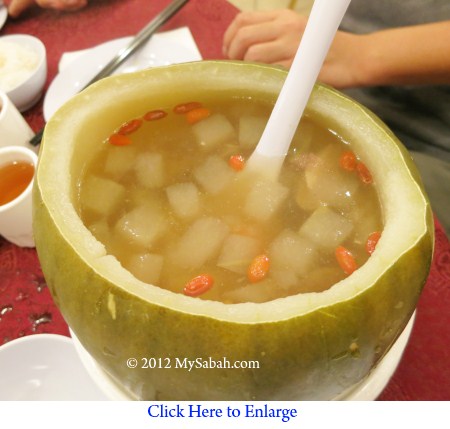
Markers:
{"x": 130, "y": 127}
{"x": 348, "y": 160}
{"x": 364, "y": 173}
{"x": 154, "y": 115}
{"x": 258, "y": 269}
{"x": 119, "y": 140}
{"x": 198, "y": 285}
{"x": 372, "y": 241}
{"x": 346, "y": 260}
{"x": 236, "y": 162}
{"x": 196, "y": 115}
{"x": 186, "y": 107}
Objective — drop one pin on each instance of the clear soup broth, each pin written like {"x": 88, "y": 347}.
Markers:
{"x": 169, "y": 197}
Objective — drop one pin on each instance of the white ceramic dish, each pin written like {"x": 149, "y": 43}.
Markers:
{"x": 170, "y": 47}
{"x": 367, "y": 390}
{"x": 44, "y": 367}
{"x": 28, "y": 92}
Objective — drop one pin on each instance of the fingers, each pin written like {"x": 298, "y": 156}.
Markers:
{"x": 274, "y": 52}
{"x": 63, "y": 5}
{"x": 266, "y": 36}
{"x": 243, "y": 20}
{"x": 249, "y": 38}
{"x": 16, "y": 7}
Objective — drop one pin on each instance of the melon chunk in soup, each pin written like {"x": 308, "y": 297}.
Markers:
{"x": 142, "y": 226}
{"x": 119, "y": 161}
{"x": 101, "y": 231}
{"x": 250, "y": 130}
{"x": 140, "y": 195}
{"x": 149, "y": 170}
{"x": 237, "y": 253}
{"x": 326, "y": 228}
{"x": 214, "y": 174}
{"x": 184, "y": 199}
{"x": 258, "y": 292}
{"x": 213, "y": 131}
{"x": 291, "y": 257}
{"x": 146, "y": 266}
{"x": 264, "y": 199}
{"x": 101, "y": 196}
{"x": 328, "y": 182}
{"x": 364, "y": 220}
{"x": 304, "y": 198}
{"x": 200, "y": 243}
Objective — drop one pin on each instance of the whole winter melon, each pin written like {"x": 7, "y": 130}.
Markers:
{"x": 307, "y": 346}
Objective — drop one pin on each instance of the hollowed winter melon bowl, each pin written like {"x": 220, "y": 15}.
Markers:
{"x": 308, "y": 346}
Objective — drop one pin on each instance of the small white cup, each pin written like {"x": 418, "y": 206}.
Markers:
{"x": 14, "y": 130}
{"x": 16, "y": 216}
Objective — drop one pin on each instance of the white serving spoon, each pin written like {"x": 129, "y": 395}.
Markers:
{"x": 321, "y": 27}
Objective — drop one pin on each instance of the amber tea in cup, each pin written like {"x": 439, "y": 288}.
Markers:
{"x": 17, "y": 167}
{"x": 14, "y": 179}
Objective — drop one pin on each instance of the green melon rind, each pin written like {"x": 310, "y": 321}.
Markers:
{"x": 313, "y": 355}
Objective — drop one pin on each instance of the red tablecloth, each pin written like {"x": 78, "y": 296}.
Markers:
{"x": 26, "y": 306}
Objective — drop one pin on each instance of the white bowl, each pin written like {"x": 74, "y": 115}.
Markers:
{"x": 26, "y": 93}
{"x": 44, "y": 367}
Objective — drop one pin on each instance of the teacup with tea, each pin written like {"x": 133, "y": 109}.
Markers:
{"x": 17, "y": 166}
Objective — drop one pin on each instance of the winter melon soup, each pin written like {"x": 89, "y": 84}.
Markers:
{"x": 155, "y": 241}
{"x": 169, "y": 196}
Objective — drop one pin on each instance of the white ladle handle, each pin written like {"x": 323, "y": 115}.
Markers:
{"x": 321, "y": 27}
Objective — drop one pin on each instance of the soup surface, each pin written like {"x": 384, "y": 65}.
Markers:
{"x": 169, "y": 196}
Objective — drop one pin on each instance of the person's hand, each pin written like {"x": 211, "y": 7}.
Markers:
{"x": 272, "y": 37}
{"x": 16, "y": 7}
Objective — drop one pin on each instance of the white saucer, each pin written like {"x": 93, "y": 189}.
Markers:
{"x": 45, "y": 367}
{"x": 367, "y": 390}
{"x": 371, "y": 387}
{"x": 164, "y": 48}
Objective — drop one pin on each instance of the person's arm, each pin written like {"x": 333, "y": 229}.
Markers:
{"x": 407, "y": 55}
{"x": 17, "y": 7}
